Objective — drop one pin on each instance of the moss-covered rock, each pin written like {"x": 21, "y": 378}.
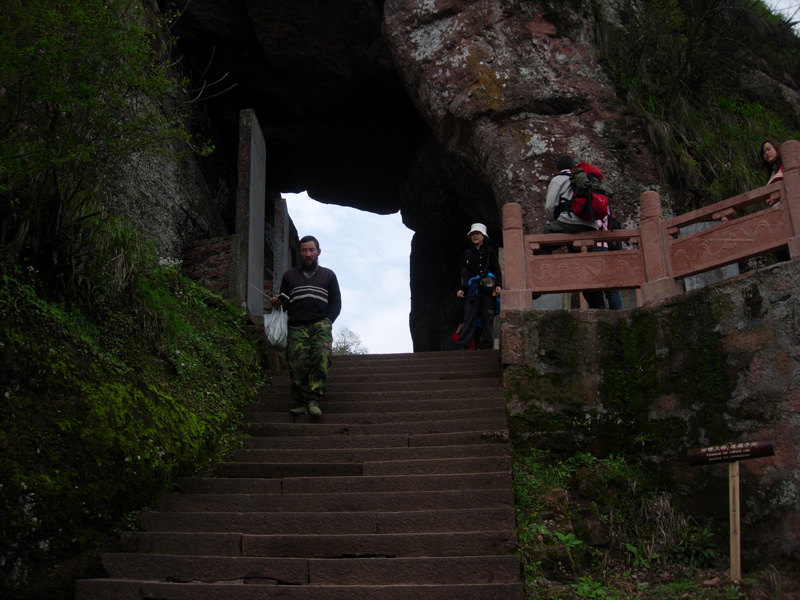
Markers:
{"x": 709, "y": 367}
{"x": 98, "y": 418}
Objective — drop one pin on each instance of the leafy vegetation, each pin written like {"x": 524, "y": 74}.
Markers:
{"x": 85, "y": 83}
{"x": 99, "y": 416}
{"x": 118, "y": 374}
{"x": 708, "y": 88}
{"x": 639, "y": 544}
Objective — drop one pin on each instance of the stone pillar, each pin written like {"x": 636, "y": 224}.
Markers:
{"x": 281, "y": 257}
{"x": 658, "y": 282}
{"x": 790, "y": 157}
{"x": 515, "y": 296}
{"x": 250, "y": 197}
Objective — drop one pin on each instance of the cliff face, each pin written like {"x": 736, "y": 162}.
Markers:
{"x": 442, "y": 109}
{"x": 504, "y": 90}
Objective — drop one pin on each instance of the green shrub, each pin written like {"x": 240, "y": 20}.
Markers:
{"x": 680, "y": 65}
{"x": 84, "y": 84}
{"x": 99, "y": 419}
{"x": 696, "y": 548}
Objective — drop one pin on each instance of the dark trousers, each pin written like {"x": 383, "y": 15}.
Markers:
{"x": 593, "y": 299}
{"x": 483, "y": 307}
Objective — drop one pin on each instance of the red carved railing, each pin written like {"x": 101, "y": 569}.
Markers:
{"x": 661, "y": 256}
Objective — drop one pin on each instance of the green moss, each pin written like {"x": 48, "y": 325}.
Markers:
{"x": 629, "y": 362}
{"x": 558, "y": 339}
{"x": 101, "y": 415}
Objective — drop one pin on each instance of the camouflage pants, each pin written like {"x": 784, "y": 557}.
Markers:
{"x": 309, "y": 355}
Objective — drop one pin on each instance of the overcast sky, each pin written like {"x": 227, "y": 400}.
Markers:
{"x": 370, "y": 255}
{"x": 789, "y": 8}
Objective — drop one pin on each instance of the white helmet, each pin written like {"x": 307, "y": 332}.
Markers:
{"x": 480, "y": 227}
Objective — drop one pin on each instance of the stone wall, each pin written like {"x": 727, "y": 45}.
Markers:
{"x": 209, "y": 263}
{"x": 712, "y": 366}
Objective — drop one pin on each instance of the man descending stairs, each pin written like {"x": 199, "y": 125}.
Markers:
{"x": 401, "y": 490}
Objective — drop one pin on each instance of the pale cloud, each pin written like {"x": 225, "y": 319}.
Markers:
{"x": 370, "y": 255}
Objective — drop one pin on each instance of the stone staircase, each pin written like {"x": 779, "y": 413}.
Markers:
{"x": 402, "y": 490}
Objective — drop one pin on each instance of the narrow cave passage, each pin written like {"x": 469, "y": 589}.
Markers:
{"x": 370, "y": 255}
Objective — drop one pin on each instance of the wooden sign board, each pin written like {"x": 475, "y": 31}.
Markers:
{"x": 729, "y": 452}
{"x": 732, "y": 453}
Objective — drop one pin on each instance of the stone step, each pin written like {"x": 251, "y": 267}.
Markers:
{"x": 446, "y": 357}
{"x": 412, "y": 427}
{"x": 379, "y": 441}
{"x": 444, "y": 465}
{"x": 367, "y": 418}
{"x": 274, "y": 393}
{"x": 416, "y": 521}
{"x": 401, "y": 490}
{"x": 116, "y": 589}
{"x": 279, "y": 470}
{"x": 339, "y": 501}
{"x": 369, "y": 545}
{"x": 315, "y": 571}
{"x": 412, "y": 368}
{"x": 397, "y": 467}
{"x": 360, "y": 455}
{"x": 425, "y": 372}
{"x": 418, "y": 370}
{"x": 423, "y": 571}
{"x": 327, "y": 485}
{"x": 328, "y": 441}
{"x": 401, "y": 385}
{"x": 348, "y": 405}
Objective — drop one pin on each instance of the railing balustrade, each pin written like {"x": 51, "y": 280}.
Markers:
{"x": 659, "y": 256}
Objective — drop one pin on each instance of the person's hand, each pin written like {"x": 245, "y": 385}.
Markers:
{"x": 460, "y": 293}
{"x": 275, "y": 301}
{"x": 497, "y": 290}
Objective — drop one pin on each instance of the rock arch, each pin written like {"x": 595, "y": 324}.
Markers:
{"x": 444, "y": 111}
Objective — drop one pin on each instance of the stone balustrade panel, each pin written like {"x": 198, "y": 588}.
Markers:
{"x": 595, "y": 271}
{"x": 730, "y": 242}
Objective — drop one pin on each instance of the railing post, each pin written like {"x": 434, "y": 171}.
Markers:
{"x": 515, "y": 296}
{"x": 658, "y": 282}
{"x": 790, "y": 157}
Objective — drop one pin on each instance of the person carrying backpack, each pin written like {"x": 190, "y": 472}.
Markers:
{"x": 558, "y": 202}
{"x": 562, "y": 219}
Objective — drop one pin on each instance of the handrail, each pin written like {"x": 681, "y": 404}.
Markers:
{"x": 662, "y": 254}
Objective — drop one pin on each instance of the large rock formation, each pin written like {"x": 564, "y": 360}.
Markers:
{"x": 442, "y": 109}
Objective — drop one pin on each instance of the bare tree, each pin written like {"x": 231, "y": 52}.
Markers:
{"x": 346, "y": 341}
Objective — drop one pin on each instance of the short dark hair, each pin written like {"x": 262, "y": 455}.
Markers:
{"x": 564, "y": 162}
{"x": 309, "y": 238}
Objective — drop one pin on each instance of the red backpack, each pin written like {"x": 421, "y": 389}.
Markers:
{"x": 590, "y": 194}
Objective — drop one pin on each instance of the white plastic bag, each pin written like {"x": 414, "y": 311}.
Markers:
{"x": 276, "y": 327}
